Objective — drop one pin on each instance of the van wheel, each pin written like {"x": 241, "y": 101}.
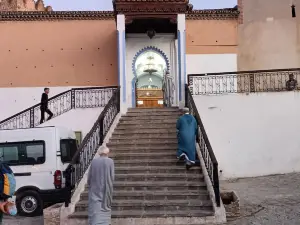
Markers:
{"x": 30, "y": 204}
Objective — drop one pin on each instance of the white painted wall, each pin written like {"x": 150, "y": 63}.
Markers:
{"x": 14, "y": 100}
{"x": 76, "y": 120}
{"x": 255, "y": 134}
{"x": 210, "y": 63}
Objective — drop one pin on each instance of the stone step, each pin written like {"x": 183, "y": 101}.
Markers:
{"x": 159, "y": 177}
{"x": 156, "y": 122}
{"x": 143, "y": 136}
{"x": 150, "y": 195}
{"x": 157, "y": 145}
{"x": 143, "y": 147}
{"x": 171, "y": 126}
{"x": 173, "y": 140}
{"x": 171, "y": 109}
{"x": 146, "y": 114}
{"x": 152, "y": 205}
{"x": 139, "y": 155}
{"x": 144, "y": 130}
{"x": 148, "y": 117}
{"x": 144, "y": 141}
{"x": 152, "y": 214}
{"x": 148, "y": 162}
{"x": 115, "y": 151}
{"x": 157, "y": 169}
{"x": 158, "y": 186}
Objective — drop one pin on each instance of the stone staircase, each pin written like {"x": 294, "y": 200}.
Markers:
{"x": 150, "y": 186}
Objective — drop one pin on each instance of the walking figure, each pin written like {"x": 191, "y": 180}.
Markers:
{"x": 44, "y": 106}
{"x": 100, "y": 181}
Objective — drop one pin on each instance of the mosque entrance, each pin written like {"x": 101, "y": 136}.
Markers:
{"x": 150, "y": 68}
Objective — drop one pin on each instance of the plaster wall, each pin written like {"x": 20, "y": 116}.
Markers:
{"x": 211, "y": 36}
{"x": 211, "y": 46}
{"x": 269, "y": 37}
{"x": 211, "y": 63}
{"x": 58, "y": 53}
{"x": 76, "y": 120}
{"x": 253, "y": 135}
{"x": 15, "y": 100}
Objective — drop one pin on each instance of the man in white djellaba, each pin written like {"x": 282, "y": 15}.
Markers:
{"x": 100, "y": 181}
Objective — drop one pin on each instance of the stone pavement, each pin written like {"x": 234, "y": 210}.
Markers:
{"x": 270, "y": 200}
{"x": 50, "y": 217}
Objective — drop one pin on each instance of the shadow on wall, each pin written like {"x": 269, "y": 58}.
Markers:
{"x": 255, "y": 134}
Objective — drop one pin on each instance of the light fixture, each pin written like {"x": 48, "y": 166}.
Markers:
{"x": 151, "y": 33}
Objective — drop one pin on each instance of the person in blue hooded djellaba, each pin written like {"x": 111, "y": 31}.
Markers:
{"x": 187, "y": 130}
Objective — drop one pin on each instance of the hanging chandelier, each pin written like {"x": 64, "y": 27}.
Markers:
{"x": 150, "y": 66}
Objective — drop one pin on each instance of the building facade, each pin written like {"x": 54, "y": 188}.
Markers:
{"x": 74, "y": 49}
{"x": 268, "y": 35}
{"x": 23, "y": 5}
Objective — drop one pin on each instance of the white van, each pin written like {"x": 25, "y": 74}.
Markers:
{"x": 38, "y": 158}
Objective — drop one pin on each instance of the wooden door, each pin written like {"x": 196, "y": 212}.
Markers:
{"x": 150, "y": 103}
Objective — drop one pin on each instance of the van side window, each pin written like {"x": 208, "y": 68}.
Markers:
{"x": 9, "y": 153}
{"x": 23, "y": 153}
{"x": 35, "y": 153}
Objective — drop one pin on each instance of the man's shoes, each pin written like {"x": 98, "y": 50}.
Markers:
{"x": 189, "y": 165}
{"x": 181, "y": 158}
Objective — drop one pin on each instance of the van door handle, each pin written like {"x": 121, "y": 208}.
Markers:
{"x": 22, "y": 174}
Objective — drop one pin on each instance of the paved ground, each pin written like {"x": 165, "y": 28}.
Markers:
{"x": 50, "y": 217}
{"x": 272, "y": 200}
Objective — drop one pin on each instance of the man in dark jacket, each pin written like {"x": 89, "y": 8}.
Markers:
{"x": 44, "y": 105}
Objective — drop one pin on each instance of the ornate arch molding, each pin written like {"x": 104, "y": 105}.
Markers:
{"x": 149, "y": 48}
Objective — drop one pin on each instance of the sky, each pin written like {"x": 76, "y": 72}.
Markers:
{"x": 98, "y": 5}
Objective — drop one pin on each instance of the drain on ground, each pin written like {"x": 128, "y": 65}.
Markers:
{"x": 231, "y": 204}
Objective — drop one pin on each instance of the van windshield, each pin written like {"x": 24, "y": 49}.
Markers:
{"x": 68, "y": 148}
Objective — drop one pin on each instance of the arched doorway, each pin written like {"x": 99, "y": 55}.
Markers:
{"x": 149, "y": 67}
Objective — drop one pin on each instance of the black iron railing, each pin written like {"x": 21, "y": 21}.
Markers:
{"x": 209, "y": 157}
{"x": 90, "y": 144}
{"x": 242, "y": 81}
{"x": 90, "y": 97}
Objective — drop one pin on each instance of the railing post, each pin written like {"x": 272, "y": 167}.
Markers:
{"x": 252, "y": 83}
{"x": 68, "y": 175}
{"x": 186, "y": 95}
{"x": 101, "y": 124}
{"x": 31, "y": 113}
{"x": 216, "y": 184}
{"x": 73, "y": 105}
{"x": 118, "y": 100}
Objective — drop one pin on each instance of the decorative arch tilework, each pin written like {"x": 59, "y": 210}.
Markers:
{"x": 149, "y": 48}
{"x": 133, "y": 82}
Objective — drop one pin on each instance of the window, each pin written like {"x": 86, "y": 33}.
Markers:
{"x": 293, "y": 11}
{"x": 23, "y": 153}
{"x": 78, "y": 137}
{"x": 68, "y": 148}
{"x": 35, "y": 153}
{"x": 9, "y": 153}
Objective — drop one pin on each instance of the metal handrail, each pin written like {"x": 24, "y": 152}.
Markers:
{"x": 209, "y": 157}
{"x": 274, "y": 80}
{"x": 88, "y": 97}
{"x": 90, "y": 144}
